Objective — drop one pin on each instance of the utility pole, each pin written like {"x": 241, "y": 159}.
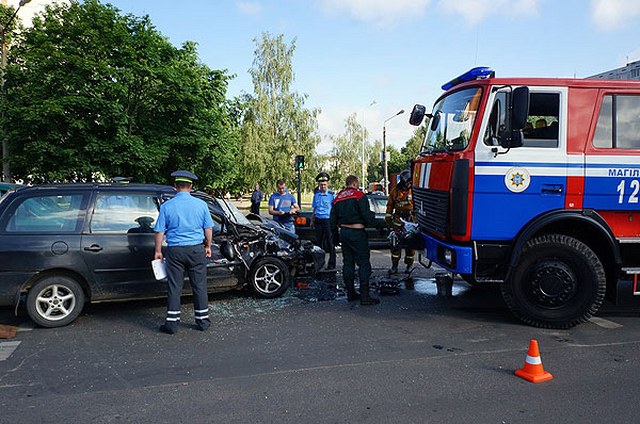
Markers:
{"x": 384, "y": 151}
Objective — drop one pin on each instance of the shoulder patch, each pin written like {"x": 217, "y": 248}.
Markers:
{"x": 348, "y": 193}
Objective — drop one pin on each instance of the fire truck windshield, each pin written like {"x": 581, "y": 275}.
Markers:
{"x": 453, "y": 118}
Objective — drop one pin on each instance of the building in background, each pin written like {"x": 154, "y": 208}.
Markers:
{"x": 629, "y": 72}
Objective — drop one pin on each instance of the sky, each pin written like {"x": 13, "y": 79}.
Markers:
{"x": 377, "y": 57}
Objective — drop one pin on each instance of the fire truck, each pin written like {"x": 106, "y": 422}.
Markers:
{"x": 533, "y": 183}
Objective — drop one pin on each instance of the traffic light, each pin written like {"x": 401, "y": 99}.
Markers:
{"x": 299, "y": 165}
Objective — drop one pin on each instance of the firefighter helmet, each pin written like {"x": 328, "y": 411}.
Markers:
{"x": 405, "y": 176}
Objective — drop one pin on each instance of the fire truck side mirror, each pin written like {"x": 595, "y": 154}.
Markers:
{"x": 435, "y": 121}
{"x": 520, "y": 107}
{"x": 417, "y": 115}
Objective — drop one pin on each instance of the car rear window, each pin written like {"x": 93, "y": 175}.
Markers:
{"x": 46, "y": 214}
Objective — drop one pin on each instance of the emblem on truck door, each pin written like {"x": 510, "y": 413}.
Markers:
{"x": 517, "y": 179}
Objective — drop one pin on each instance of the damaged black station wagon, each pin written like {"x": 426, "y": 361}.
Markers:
{"x": 62, "y": 245}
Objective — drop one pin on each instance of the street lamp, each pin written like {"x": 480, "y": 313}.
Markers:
{"x": 6, "y": 169}
{"x": 384, "y": 151}
{"x": 364, "y": 132}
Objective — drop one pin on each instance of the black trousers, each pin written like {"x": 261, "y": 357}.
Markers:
{"x": 192, "y": 260}
{"x": 255, "y": 208}
{"x": 355, "y": 250}
{"x": 325, "y": 240}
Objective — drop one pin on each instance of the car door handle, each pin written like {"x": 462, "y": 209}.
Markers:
{"x": 93, "y": 248}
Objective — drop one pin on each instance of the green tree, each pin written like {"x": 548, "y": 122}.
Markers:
{"x": 375, "y": 167}
{"x": 412, "y": 148}
{"x": 93, "y": 93}
{"x": 400, "y": 159}
{"x": 347, "y": 151}
{"x": 276, "y": 126}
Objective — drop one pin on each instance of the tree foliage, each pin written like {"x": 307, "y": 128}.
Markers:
{"x": 398, "y": 159}
{"x": 93, "y": 93}
{"x": 347, "y": 151}
{"x": 276, "y": 126}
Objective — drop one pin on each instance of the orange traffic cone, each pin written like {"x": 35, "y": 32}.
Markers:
{"x": 532, "y": 370}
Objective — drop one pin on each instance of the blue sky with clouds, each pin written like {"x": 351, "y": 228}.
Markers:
{"x": 399, "y": 52}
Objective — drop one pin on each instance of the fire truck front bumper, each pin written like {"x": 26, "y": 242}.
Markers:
{"x": 454, "y": 258}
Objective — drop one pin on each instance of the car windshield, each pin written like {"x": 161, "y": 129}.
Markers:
{"x": 233, "y": 213}
{"x": 377, "y": 203}
{"x": 456, "y": 114}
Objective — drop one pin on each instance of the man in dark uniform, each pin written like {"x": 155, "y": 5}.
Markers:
{"x": 322, "y": 204}
{"x": 256, "y": 198}
{"x": 186, "y": 221}
{"x": 351, "y": 214}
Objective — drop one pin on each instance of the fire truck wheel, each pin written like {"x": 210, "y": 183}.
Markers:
{"x": 558, "y": 283}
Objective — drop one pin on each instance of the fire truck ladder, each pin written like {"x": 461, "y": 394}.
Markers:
{"x": 635, "y": 271}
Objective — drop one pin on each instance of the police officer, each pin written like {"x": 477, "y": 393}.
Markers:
{"x": 321, "y": 204}
{"x": 351, "y": 214}
{"x": 400, "y": 206}
{"x": 186, "y": 222}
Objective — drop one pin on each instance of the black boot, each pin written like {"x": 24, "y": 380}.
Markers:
{"x": 365, "y": 297}
{"x": 352, "y": 294}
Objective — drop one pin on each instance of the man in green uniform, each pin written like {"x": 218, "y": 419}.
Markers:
{"x": 351, "y": 214}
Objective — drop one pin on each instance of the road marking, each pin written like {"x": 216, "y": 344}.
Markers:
{"x": 7, "y": 348}
{"x": 604, "y": 323}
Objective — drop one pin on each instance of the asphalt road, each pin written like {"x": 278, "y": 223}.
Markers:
{"x": 310, "y": 357}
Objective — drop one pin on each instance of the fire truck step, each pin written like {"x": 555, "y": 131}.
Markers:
{"x": 629, "y": 240}
{"x": 627, "y": 292}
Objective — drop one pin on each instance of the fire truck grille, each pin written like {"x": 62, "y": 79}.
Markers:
{"x": 432, "y": 209}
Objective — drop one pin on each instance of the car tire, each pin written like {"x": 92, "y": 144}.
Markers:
{"x": 55, "y": 301}
{"x": 269, "y": 277}
{"x": 558, "y": 283}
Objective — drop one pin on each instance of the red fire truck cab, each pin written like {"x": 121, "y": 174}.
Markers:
{"x": 534, "y": 184}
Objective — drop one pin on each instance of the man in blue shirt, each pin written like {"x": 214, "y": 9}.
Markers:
{"x": 322, "y": 203}
{"x": 282, "y": 205}
{"x": 187, "y": 224}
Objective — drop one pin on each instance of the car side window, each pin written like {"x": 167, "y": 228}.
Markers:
{"x": 124, "y": 213}
{"x": 47, "y": 214}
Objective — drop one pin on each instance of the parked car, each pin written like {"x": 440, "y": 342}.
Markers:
{"x": 63, "y": 245}
{"x": 377, "y": 237}
{"x": 5, "y": 187}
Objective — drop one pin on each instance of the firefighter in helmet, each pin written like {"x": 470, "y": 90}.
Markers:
{"x": 400, "y": 206}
